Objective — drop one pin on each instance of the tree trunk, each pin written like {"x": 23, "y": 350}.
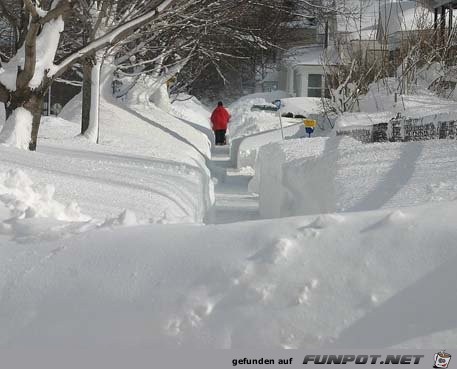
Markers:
{"x": 88, "y": 64}
{"x": 92, "y": 131}
{"x": 35, "y": 105}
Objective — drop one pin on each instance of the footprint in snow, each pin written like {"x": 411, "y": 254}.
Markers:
{"x": 325, "y": 221}
{"x": 191, "y": 317}
{"x": 199, "y": 305}
{"x": 397, "y": 217}
{"x": 173, "y": 327}
{"x": 305, "y": 294}
{"x": 199, "y": 312}
{"x": 275, "y": 253}
{"x": 264, "y": 292}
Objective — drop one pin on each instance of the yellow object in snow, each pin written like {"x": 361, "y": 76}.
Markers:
{"x": 310, "y": 123}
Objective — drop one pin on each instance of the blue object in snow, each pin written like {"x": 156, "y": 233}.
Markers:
{"x": 309, "y": 131}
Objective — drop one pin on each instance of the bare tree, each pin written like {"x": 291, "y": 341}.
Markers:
{"x": 29, "y": 72}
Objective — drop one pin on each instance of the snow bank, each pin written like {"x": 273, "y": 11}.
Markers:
{"x": 22, "y": 199}
{"x": 147, "y": 161}
{"x": 245, "y": 122}
{"x": 302, "y": 105}
{"x": 308, "y": 282}
{"x": 244, "y": 150}
{"x": 191, "y": 109}
{"x": 144, "y": 129}
{"x": 320, "y": 175}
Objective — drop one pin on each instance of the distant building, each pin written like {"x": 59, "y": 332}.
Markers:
{"x": 304, "y": 66}
{"x": 302, "y": 72}
{"x": 382, "y": 33}
{"x": 301, "y": 68}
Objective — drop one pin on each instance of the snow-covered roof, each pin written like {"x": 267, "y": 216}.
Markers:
{"x": 437, "y": 3}
{"x": 310, "y": 55}
{"x": 307, "y": 55}
{"x": 403, "y": 16}
{"x": 359, "y": 15}
{"x": 366, "y": 34}
{"x": 272, "y": 76}
{"x": 385, "y": 16}
{"x": 304, "y": 23}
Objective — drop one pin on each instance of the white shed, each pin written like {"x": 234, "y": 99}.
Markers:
{"x": 302, "y": 72}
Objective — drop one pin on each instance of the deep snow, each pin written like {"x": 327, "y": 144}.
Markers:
{"x": 317, "y": 281}
{"x": 148, "y": 162}
{"x": 99, "y": 275}
{"x": 320, "y": 175}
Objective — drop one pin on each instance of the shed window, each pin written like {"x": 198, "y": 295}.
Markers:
{"x": 315, "y": 85}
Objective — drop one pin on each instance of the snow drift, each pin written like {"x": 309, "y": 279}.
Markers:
{"x": 318, "y": 281}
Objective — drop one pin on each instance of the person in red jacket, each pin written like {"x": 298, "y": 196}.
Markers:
{"x": 219, "y": 121}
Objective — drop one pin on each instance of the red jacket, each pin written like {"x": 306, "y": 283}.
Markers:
{"x": 220, "y": 118}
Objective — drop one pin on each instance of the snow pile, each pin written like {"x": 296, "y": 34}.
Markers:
{"x": 20, "y": 199}
{"x": 379, "y": 106}
{"x": 308, "y": 282}
{"x": 320, "y": 175}
{"x": 302, "y": 105}
{"x": 189, "y": 108}
{"x": 245, "y": 122}
{"x": 244, "y": 149}
{"x": 17, "y": 129}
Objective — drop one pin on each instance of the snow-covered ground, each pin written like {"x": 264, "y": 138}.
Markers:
{"x": 374, "y": 254}
{"x": 370, "y": 279}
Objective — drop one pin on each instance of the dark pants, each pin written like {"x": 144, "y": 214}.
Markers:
{"x": 220, "y": 136}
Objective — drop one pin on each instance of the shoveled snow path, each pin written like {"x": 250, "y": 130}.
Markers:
{"x": 233, "y": 201}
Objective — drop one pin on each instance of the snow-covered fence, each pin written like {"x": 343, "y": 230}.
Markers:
{"x": 402, "y": 129}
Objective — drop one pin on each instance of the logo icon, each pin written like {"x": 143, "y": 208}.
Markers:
{"x": 442, "y": 359}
